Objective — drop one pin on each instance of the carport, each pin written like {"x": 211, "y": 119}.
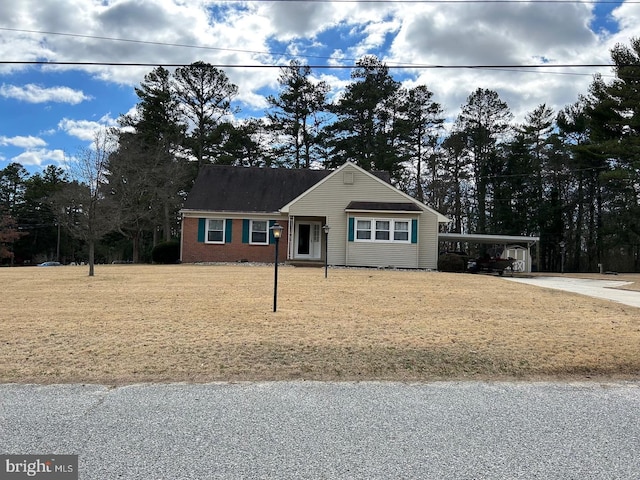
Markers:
{"x": 514, "y": 246}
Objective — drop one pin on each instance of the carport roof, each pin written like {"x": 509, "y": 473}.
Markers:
{"x": 484, "y": 238}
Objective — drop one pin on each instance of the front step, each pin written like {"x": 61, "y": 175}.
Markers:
{"x": 305, "y": 263}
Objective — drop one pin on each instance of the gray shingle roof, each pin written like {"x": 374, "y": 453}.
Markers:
{"x": 249, "y": 189}
{"x": 384, "y": 206}
{"x": 252, "y": 189}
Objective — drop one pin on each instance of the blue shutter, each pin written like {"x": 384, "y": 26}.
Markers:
{"x": 414, "y": 230}
{"x": 227, "y": 230}
{"x": 245, "y": 231}
{"x": 202, "y": 226}
{"x": 272, "y": 240}
{"x": 351, "y": 226}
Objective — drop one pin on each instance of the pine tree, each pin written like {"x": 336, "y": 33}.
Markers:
{"x": 366, "y": 129}
{"x": 614, "y": 128}
{"x": 204, "y": 93}
{"x": 296, "y": 115}
{"x": 485, "y": 119}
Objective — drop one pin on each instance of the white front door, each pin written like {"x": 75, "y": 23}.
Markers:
{"x": 308, "y": 240}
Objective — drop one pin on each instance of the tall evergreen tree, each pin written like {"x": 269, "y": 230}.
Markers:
{"x": 614, "y": 128}
{"x": 244, "y": 144}
{"x": 12, "y": 186}
{"x": 484, "y": 119}
{"x": 40, "y": 218}
{"x": 205, "y": 94}
{"x": 13, "y": 180}
{"x": 148, "y": 171}
{"x": 420, "y": 125}
{"x": 296, "y": 115}
{"x": 366, "y": 130}
{"x": 585, "y": 197}
{"x": 456, "y": 165}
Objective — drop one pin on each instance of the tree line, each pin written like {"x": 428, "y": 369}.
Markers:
{"x": 571, "y": 177}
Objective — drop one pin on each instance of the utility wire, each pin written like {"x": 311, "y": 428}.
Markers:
{"x": 338, "y": 67}
{"x": 328, "y": 67}
{"x": 448, "y": 2}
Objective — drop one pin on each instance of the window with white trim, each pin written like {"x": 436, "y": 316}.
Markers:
{"x": 401, "y": 230}
{"x": 363, "y": 230}
{"x": 382, "y": 230}
{"x": 215, "y": 230}
{"x": 258, "y": 232}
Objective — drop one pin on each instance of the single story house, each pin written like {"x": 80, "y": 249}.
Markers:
{"x": 229, "y": 211}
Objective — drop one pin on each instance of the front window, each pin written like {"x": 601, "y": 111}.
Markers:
{"x": 383, "y": 230}
{"x": 363, "y": 229}
{"x": 259, "y": 232}
{"x": 215, "y": 231}
{"x": 401, "y": 231}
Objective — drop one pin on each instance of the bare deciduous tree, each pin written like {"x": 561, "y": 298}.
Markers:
{"x": 88, "y": 196}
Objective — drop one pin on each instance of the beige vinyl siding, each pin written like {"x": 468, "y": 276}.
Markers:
{"x": 372, "y": 254}
{"x": 330, "y": 198}
{"x": 382, "y": 253}
{"x": 428, "y": 241}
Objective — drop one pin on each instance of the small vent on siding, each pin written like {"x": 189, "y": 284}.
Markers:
{"x": 347, "y": 178}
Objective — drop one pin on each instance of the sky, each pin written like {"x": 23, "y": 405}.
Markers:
{"x": 48, "y": 113}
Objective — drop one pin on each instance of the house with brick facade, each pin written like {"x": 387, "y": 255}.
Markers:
{"x": 229, "y": 211}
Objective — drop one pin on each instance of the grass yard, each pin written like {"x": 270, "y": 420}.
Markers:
{"x": 200, "y": 323}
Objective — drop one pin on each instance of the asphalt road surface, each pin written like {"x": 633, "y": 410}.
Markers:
{"x": 605, "y": 289}
{"x": 314, "y": 430}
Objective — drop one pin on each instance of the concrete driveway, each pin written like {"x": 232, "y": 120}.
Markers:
{"x": 604, "y": 289}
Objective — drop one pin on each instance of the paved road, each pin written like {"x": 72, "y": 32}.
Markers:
{"x": 605, "y": 289}
{"x": 313, "y": 430}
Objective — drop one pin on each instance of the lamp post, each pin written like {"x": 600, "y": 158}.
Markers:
{"x": 326, "y": 248}
{"x": 562, "y": 245}
{"x": 277, "y": 232}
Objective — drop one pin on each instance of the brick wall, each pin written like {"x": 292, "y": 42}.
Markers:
{"x": 194, "y": 251}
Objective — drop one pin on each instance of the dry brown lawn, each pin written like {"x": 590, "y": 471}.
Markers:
{"x": 200, "y": 323}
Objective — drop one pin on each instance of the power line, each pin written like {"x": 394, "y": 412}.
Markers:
{"x": 181, "y": 45}
{"x": 330, "y": 67}
{"x": 448, "y": 2}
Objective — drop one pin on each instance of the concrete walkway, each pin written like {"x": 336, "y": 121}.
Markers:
{"x": 604, "y": 289}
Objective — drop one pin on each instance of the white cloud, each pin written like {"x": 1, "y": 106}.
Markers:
{"x": 39, "y": 157}
{"x": 85, "y": 129}
{"x": 22, "y": 142}
{"x": 31, "y": 93}
{"x": 250, "y": 33}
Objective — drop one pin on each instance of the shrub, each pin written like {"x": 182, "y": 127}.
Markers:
{"x": 166, "y": 252}
{"x": 452, "y": 262}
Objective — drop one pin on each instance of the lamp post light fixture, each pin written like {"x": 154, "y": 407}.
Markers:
{"x": 276, "y": 229}
{"x": 326, "y": 228}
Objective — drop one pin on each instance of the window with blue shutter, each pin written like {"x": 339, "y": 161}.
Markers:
{"x": 202, "y": 226}
{"x": 227, "y": 230}
{"x": 272, "y": 240}
{"x": 414, "y": 230}
{"x": 245, "y": 231}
